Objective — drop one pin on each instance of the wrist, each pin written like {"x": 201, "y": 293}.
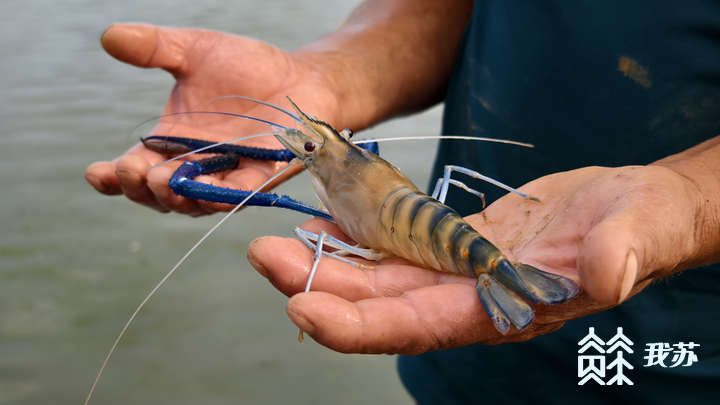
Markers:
{"x": 391, "y": 57}
{"x": 699, "y": 171}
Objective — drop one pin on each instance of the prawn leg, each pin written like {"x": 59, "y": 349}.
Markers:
{"x": 172, "y": 145}
{"x": 182, "y": 184}
{"x": 323, "y": 238}
{"x": 316, "y": 262}
{"x": 310, "y": 239}
{"x": 440, "y": 182}
{"x": 445, "y": 182}
{"x": 343, "y": 248}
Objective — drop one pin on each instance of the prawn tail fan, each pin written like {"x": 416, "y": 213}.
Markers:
{"x": 502, "y": 296}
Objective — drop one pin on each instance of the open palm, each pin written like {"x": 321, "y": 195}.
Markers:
{"x": 207, "y": 65}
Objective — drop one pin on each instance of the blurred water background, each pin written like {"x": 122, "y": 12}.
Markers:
{"x": 75, "y": 264}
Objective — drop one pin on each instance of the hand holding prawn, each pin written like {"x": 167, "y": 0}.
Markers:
{"x": 483, "y": 250}
{"x": 102, "y": 176}
{"x": 398, "y": 307}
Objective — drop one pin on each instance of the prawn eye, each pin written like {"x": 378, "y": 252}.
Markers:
{"x": 349, "y": 132}
{"x": 309, "y": 146}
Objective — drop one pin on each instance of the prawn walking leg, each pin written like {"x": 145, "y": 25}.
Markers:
{"x": 343, "y": 249}
{"x": 445, "y": 182}
{"x": 316, "y": 262}
{"x": 440, "y": 182}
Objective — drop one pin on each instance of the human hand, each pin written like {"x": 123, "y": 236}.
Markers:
{"x": 612, "y": 230}
{"x": 206, "y": 65}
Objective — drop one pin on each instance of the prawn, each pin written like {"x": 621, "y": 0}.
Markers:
{"x": 380, "y": 208}
{"x": 376, "y": 205}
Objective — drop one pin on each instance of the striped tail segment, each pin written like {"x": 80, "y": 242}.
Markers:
{"x": 428, "y": 232}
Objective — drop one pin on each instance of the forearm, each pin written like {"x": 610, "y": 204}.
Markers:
{"x": 390, "y": 57}
{"x": 700, "y": 167}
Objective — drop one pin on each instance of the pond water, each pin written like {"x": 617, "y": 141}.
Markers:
{"x": 74, "y": 264}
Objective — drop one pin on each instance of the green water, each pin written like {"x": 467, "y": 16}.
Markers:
{"x": 74, "y": 264}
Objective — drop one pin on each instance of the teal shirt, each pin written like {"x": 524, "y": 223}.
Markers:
{"x": 589, "y": 83}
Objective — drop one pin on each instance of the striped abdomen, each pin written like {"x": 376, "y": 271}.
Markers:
{"x": 419, "y": 228}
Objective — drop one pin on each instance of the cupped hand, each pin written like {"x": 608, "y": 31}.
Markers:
{"x": 612, "y": 230}
{"x": 207, "y": 65}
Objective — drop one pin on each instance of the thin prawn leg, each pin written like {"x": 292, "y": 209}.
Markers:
{"x": 456, "y": 183}
{"x": 316, "y": 259}
{"x": 308, "y": 238}
{"x": 316, "y": 262}
{"x": 323, "y": 238}
{"x": 446, "y": 183}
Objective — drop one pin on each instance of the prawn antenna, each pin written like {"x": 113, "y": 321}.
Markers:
{"x": 465, "y": 138}
{"x": 184, "y": 113}
{"x": 142, "y": 304}
{"x": 288, "y": 112}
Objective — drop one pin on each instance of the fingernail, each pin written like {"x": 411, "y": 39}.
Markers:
{"x": 260, "y": 268}
{"x": 129, "y": 179}
{"x": 96, "y": 183}
{"x": 256, "y": 264}
{"x": 105, "y": 32}
{"x": 301, "y": 322}
{"x": 628, "y": 280}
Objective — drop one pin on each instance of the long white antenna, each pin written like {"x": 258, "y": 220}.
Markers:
{"x": 288, "y": 112}
{"x": 465, "y": 138}
{"x": 173, "y": 270}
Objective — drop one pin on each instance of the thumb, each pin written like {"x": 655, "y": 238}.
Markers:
{"x": 149, "y": 46}
{"x": 648, "y": 231}
{"x": 627, "y": 247}
{"x": 608, "y": 259}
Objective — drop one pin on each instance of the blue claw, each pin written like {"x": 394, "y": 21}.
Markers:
{"x": 182, "y": 182}
{"x": 171, "y": 145}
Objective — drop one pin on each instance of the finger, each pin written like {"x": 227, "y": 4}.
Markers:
{"x": 101, "y": 175}
{"x": 607, "y": 261}
{"x": 642, "y": 238}
{"x": 158, "y": 183}
{"x": 132, "y": 175}
{"x": 149, "y": 46}
{"x": 431, "y": 318}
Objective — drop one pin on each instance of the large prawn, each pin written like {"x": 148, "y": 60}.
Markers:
{"x": 376, "y": 205}
{"x": 379, "y": 207}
